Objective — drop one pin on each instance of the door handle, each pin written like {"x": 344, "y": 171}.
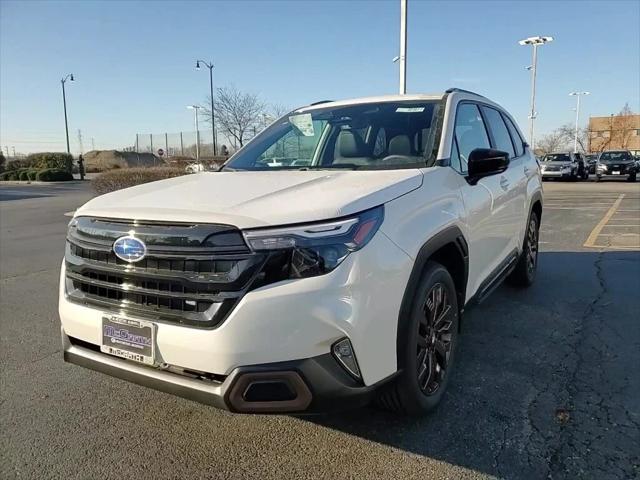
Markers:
{"x": 504, "y": 183}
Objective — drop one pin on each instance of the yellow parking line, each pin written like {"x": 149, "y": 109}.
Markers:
{"x": 593, "y": 236}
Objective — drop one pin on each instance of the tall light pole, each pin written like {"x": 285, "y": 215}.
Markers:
{"x": 64, "y": 103}
{"x": 403, "y": 47}
{"x": 209, "y": 65}
{"x": 578, "y": 95}
{"x": 195, "y": 109}
{"x": 536, "y": 42}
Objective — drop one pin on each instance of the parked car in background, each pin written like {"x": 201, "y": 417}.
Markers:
{"x": 326, "y": 265}
{"x": 567, "y": 166}
{"x": 194, "y": 167}
{"x": 592, "y": 160}
{"x": 617, "y": 164}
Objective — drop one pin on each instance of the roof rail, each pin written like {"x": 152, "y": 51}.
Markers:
{"x": 462, "y": 90}
{"x": 320, "y": 102}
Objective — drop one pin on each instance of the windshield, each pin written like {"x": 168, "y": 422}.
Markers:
{"x": 370, "y": 136}
{"x": 557, "y": 157}
{"x": 615, "y": 156}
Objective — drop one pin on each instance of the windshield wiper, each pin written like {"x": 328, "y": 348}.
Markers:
{"x": 339, "y": 166}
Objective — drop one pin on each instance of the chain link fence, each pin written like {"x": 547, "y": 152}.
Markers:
{"x": 182, "y": 144}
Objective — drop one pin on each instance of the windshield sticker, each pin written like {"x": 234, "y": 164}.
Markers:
{"x": 409, "y": 109}
{"x": 303, "y": 123}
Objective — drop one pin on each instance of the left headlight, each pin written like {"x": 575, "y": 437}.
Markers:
{"x": 317, "y": 248}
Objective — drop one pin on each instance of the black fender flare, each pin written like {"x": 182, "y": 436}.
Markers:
{"x": 450, "y": 235}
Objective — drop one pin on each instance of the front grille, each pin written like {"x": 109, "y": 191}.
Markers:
{"x": 553, "y": 168}
{"x": 191, "y": 274}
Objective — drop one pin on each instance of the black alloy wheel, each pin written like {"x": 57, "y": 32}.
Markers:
{"x": 427, "y": 339}
{"x": 433, "y": 349}
{"x": 532, "y": 246}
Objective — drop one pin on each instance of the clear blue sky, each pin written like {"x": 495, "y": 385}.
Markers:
{"x": 134, "y": 61}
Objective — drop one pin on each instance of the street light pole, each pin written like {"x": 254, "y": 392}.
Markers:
{"x": 64, "y": 103}
{"x": 403, "y": 47}
{"x": 535, "y": 41}
{"x": 195, "y": 115}
{"x": 209, "y": 65}
{"x": 575, "y": 139}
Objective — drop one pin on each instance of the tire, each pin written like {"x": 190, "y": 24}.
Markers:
{"x": 632, "y": 177}
{"x": 599, "y": 178}
{"x": 425, "y": 354}
{"x": 525, "y": 272}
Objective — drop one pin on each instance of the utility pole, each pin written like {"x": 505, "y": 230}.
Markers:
{"x": 80, "y": 141}
{"x": 535, "y": 41}
{"x": 64, "y": 103}
{"x": 195, "y": 109}
{"x": 575, "y": 139}
{"x": 403, "y": 47}
{"x": 93, "y": 143}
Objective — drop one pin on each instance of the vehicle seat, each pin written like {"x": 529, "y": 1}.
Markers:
{"x": 400, "y": 145}
{"x": 350, "y": 148}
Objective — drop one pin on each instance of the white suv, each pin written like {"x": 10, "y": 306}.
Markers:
{"x": 329, "y": 278}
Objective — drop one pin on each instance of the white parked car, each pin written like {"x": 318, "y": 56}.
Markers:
{"x": 565, "y": 165}
{"x": 194, "y": 167}
{"x": 321, "y": 282}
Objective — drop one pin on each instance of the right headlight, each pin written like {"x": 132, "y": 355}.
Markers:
{"x": 317, "y": 248}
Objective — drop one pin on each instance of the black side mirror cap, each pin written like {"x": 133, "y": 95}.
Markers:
{"x": 484, "y": 162}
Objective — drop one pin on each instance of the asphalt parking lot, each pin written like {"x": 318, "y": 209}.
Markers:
{"x": 546, "y": 385}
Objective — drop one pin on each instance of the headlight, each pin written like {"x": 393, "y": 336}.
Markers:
{"x": 318, "y": 248}
{"x": 602, "y": 167}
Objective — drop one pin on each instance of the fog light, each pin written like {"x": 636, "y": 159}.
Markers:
{"x": 343, "y": 351}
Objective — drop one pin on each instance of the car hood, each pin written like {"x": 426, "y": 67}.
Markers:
{"x": 255, "y": 199}
{"x": 617, "y": 162}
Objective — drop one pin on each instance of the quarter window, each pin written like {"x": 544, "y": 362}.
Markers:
{"x": 501, "y": 136}
{"x": 470, "y": 133}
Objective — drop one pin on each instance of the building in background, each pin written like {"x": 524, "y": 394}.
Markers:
{"x": 615, "y": 132}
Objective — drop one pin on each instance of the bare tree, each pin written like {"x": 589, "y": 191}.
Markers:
{"x": 568, "y": 132}
{"x": 551, "y": 142}
{"x": 236, "y": 113}
{"x": 623, "y": 127}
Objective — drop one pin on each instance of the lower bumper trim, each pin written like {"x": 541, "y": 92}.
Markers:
{"x": 319, "y": 383}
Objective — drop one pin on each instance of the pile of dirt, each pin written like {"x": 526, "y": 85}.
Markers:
{"x": 100, "y": 160}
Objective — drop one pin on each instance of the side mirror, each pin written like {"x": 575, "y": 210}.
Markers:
{"x": 484, "y": 162}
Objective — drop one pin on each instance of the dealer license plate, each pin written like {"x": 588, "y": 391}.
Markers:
{"x": 128, "y": 338}
{"x": 615, "y": 173}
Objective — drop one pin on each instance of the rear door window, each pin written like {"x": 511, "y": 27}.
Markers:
{"x": 499, "y": 131}
{"x": 518, "y": 141}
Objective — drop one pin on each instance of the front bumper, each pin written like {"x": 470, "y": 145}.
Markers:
{"x": 560, "y": 174}
{"x": 312, "y": 385}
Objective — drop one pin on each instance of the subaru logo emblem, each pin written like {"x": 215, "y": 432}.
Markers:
{"x": 130, "y": 249}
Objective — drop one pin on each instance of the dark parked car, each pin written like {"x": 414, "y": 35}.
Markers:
{"x": 617, "y": 163}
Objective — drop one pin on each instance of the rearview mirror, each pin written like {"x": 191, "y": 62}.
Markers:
{"x": 484, "y": 162}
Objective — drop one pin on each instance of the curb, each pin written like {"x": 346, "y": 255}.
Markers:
{"x": 35, "y": 182}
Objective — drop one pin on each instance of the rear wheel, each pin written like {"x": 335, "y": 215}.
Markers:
{"x": 525, "y": 272}
{"x": 427, "y": 341}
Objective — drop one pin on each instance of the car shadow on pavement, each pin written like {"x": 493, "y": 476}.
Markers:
{"x": 532, "y": 393}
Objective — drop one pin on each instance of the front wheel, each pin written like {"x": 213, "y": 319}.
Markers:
{"x": 525, "y": 272}
{"x": 632, "y": 177}
{"x": 427, "y": 341}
